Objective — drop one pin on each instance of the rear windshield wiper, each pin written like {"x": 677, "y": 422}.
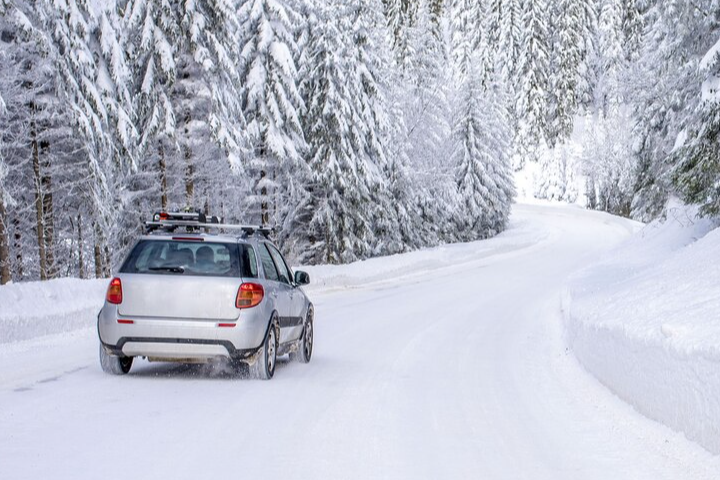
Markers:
{"x": 169, "y": 269}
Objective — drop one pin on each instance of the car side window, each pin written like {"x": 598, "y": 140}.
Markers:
{"x": 248, "y": 261}
{"x": 283, "y": 270}
{"x": 271, "y": 272}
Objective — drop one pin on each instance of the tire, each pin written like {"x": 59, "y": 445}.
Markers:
{"x": 264, "y": 366}
{"x": 305, "y": 344}
{"x": 113, "y": 364}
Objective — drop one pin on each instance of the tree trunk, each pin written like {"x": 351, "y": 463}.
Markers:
{"x": 163, "y": 177}
{"x": 40, "y": 228}
{"x": 276, "y": 198}
{"x": 107, "y": 263}
{"x": 98, "y": 254}
{"x": 189, "y": 178}
{"x": 264, "y": 213}
{"x": 4, "y": 245}
{"x": 17, "y": 246}
{"x": 189, "y": 168}
{"x": 81, "y": 258}
{"x": 48, "y": 213}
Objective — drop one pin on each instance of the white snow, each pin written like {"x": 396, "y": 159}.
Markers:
{"x": 646, "y": 322}
{"x": 710, "y": 57}
{"x": 680, "y": 140}
{"x": 422, "y": 263}
{"x": 33, "y": 309}
{"x": 710, "y": 89}
{"x": 446, "y": 363}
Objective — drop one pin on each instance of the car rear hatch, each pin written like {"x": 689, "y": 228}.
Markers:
{"x": 178, "y": 297}
{"x": 188, "y": 279}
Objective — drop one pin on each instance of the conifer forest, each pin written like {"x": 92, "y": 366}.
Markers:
{"x": 357, "y": 128}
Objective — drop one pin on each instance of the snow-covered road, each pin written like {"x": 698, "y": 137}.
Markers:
{"x": 443, "y": 373}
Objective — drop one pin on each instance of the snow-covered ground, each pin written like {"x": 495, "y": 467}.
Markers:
{"x": 34, "y": 309}
{"x": 445, "y": 363}
{"x": 645, "y": 320}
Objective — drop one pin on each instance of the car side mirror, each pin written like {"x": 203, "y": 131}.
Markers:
{"x": 301, "y": 278}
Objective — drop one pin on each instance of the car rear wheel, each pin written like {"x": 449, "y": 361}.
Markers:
{"x": 264, "y": 366}
{"x": 113, "y": 364}
{"x": 305, "y": 345}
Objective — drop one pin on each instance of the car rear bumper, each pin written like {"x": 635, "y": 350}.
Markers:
{"x": 181, "y": 339}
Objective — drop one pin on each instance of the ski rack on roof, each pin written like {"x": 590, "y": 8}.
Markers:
{"x": 168, "y": 222}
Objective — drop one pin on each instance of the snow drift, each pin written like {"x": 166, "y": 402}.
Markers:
{"x": 646, "y": 322}
{"x": 33, "y": 309}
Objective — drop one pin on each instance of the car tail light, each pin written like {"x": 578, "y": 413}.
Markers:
{"x": 114, "y": 292}
{"x": 249, "y": 295}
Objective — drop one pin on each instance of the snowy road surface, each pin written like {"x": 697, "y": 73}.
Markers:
{"x": 445, "y": 373}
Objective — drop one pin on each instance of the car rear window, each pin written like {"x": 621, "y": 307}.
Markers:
{"x": 175, "y": 257}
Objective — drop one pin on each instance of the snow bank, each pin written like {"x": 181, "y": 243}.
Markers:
{"x": 519, "y": 236}
{"x": 33, "y": 309}
{"x": 646, "y": 322}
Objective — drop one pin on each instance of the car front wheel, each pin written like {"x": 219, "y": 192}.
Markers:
{"x": 113, "y": 364}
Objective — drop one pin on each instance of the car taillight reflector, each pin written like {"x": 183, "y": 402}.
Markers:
{"x": 249, "y": 295}
{"x": 125, "y": 322}
{"x": 114, "y": 292}
{"x": 226, "y": 325}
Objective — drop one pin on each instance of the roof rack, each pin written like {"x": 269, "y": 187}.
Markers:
{"x": 195, "y": 221}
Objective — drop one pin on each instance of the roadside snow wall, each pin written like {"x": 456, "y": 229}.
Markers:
{"x": 33, "y": 309}
{"x": 646, "y": 322}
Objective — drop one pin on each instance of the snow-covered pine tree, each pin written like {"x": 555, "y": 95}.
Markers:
{"x": 587, "y": 74}
{"x": 401, "y": 182}
{"x": 697, "y": 161}
{"x": 557, "y": 174}
{"x": 92, "y": 65}
{"x": 609, "y": 164}
{"x": 272, "y": 104}
{"x": 369, "y": 59}
{"x": 484, "y": 180}
{"x": 565, "y": 77}
{"x": 187, "y": 101}
{"x": 499, "y": 139}
{"x": 664, "y": 93}
{"x": 632, "y": 28}
{"x": 47, "y": 170}
{"x": 464, "y": 33}
{"x": 153, "y": 38}
{"x": 609, "y": 92}
{"x": 8, "y": 88}
{"x": 400, "y": 17}
{"x": 11, "y": 130}
{"x": 493, "y": 12}
{"x": 510, "y": 43}
{"x": 438, "y": 9}
{"x": 533, "y": 89}
{"x": 343, "y": 177}
{"x": 419, "y": 155}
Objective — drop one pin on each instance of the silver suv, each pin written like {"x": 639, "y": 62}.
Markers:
{"x": 198, "y": 296}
